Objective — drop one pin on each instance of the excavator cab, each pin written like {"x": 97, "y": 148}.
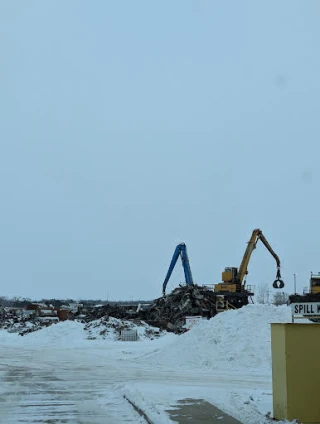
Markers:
{"x": 229, "y": 283}
{"x": 315, "y": 283}
{"x": 229, "y": 274}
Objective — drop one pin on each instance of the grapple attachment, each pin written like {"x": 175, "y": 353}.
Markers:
{"x": 278, "y": 283}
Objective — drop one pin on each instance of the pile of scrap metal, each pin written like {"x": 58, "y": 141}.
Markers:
{"x": 9, "y": 316}
{"x": 32, "y": 317}
{"x": 169, "y": 312}
{"x": 42, "y": 312}
{"x": 19, "y": 320}
{"x": 101, "y": 311}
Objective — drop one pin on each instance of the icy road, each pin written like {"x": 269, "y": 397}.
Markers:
{"x": 61, "y": 385}
{"x": 86, "y": 385}
{"x": 56, "y": 375}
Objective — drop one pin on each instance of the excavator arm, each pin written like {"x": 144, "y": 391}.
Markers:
{"x": 276, "y": 257}
{"x": 181, "y": 250}
{"x": 243, "y": 270}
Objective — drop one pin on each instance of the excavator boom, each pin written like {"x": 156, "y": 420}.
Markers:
{"x": 232, "y": 288}
{"x": 181, "y": 250}
{"x": 243, "y": 269}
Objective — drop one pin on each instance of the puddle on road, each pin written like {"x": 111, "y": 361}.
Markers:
{"x": 188, "y": 411}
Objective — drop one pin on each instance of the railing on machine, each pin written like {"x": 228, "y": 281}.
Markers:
{"x": 208, "y": 286}
{"x": 251, "y": 288}
{"x": 223, "y": 305}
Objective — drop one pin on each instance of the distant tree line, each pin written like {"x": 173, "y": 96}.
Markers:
{"x": 265, "y": 296}
{"x": 20, "y": 302}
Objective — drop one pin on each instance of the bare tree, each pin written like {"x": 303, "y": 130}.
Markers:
{"x": 280, "y": 298}
{"x": 263, "y": 295}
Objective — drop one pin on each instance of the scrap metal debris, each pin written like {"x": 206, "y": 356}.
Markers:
{"x": 20, "y": 321}
{"x": 170, "y": 311}
{"x": 165, "y": 313}
{"x": 101, "y": 311}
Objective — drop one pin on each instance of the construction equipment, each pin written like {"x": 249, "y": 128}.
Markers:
{"x": 310, "y": 293}
{"x": 181, "y": 250}
{"x": 310, "y": 299}
{"x": 233, "y": 285}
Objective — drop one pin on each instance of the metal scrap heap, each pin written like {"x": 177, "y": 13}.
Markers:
{"x": 170, "y": 311}
{"x": 92, "y": 313}
{"x": 167, "y": 312}
{"x": 14, "y": 321}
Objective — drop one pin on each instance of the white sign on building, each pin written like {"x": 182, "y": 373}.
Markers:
{"x": 311, "y": 308}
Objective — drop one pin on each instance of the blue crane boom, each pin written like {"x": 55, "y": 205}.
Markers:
{"x": 181, "y": 250}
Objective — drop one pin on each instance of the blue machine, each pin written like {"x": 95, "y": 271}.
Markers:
{"x": 181, "y": 250}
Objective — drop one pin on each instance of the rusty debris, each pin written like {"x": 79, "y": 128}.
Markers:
{"x": 166, "y": 313}
{"x": 169, "y": 312}
{"x": 110, "y": 310}
{"x": 17, "y": 320}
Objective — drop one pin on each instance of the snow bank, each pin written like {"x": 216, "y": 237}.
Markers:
{"x": 145, "y": 404}
{"x": 72, "y": 333}
{"x": 109, "y": 328}
{"x": 64, "y": 333}
{"x": 6, "y": 337}
{"x": 235, "y": 339}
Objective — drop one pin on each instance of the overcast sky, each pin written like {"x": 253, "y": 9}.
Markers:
{"x": 128, "y": 127}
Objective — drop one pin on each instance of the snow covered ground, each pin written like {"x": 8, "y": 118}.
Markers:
{"x": 68, "y": 374}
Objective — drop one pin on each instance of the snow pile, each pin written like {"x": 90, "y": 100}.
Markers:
{"x": 69, "y": 333}
{"x": 235, "y": 339}
{"x": 144, "y": 403}
{"x": 109, "y": 328}
{"x": 6, "y": 337}
{"x": 26, "y": 326}
{"x": 63, "y": 331}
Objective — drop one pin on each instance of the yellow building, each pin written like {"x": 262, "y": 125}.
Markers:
{"x": 296, "y": 372}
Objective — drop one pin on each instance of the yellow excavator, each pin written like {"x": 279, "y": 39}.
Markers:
{"x": 233, "y": 286}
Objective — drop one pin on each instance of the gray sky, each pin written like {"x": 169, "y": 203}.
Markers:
{"x": 130, "y": 126}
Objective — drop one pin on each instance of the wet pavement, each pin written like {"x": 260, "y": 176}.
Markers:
{"x": 199, "y": 411}
{"x": 52, "y": 385}
{"x": 56, "y": 390}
